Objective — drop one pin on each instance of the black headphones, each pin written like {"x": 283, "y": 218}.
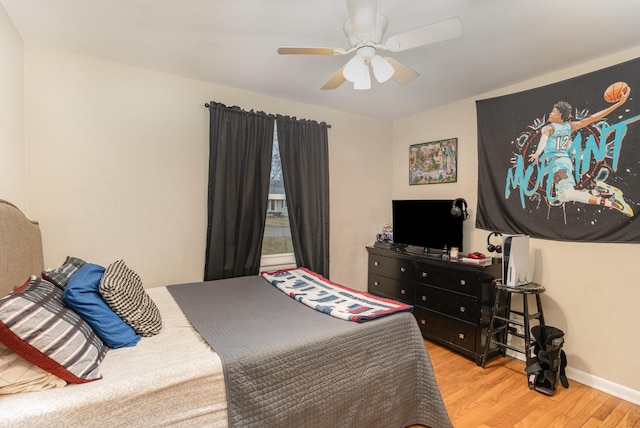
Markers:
{"x": 494, "y": 248}
{"x": 461, "y": 211}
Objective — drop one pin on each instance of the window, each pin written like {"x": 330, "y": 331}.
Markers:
{"x": 277, "y": 248}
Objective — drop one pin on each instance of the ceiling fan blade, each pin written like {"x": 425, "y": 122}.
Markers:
{"x": 433, "y": 33}
{"x": 362, "y": 14}
{"x": 310, "y": 51}
{"x": 402, "y": 74}
{"x": 336, "y": 80}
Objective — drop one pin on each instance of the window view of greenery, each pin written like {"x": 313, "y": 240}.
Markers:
{"x": 277, "y": 234}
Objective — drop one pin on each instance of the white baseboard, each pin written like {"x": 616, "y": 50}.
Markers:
{"x": 595, "y": 382}
{"x": 604, "y": 385}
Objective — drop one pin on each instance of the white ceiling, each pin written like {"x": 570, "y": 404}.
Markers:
{"x": 234, "y": 43}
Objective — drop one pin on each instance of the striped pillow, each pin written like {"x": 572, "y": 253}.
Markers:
{"x": 60, "y": 276}
{"x": 38, "y": 326}
{"x": 122, "y": 289}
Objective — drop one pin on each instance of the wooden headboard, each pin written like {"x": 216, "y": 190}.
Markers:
{"x": 20, "y": 248}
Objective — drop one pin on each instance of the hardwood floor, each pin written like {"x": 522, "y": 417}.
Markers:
{"x": 498, "y": 396}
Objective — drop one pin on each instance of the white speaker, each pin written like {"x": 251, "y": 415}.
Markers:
{"x": 515, "y": 260}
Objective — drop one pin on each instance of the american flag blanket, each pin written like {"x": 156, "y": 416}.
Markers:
{"x": 334, "y": 299}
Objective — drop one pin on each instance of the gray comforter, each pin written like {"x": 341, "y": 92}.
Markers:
{"x": 288, "y": 365}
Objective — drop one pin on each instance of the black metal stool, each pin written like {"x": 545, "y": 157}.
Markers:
{"x": 498, "y": 334}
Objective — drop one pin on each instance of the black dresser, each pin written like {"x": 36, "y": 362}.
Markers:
{"x": 452, "y": 300}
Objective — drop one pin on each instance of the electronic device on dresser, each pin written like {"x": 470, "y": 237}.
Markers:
{"x": 494, "y": 248}
{"x": 432, "y": 224}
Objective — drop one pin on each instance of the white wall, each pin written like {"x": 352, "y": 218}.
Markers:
{"x": 118, "y": 167}
{"x": 12, "y": 148}
{"x": 592, "y": 291}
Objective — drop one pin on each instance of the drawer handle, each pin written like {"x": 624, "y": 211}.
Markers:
{"x": 424, "y": 298}
{"x": 376, "y": 283}
{"x": 462, "y": 309}
{"x": 403, "y": 291}
{"x": 403, "y": 269}
{"x": 461, "y": 336}
{"x": 423, "y": 322}
{"x": 376, "y": 263}
{"x": 463, "y": 282}
{"x": 424, "y": 274}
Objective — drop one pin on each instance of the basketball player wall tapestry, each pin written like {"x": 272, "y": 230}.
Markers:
{"x": 562, "y": 161}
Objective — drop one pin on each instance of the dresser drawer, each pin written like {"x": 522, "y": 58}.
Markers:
{"x": 445, "y": 329}
{"x": 393, "y": 288}
{"x": 461, "y": 281}
{"x": 456, "y": 305}
{"x": 428, "y": 274}
{"x": 396, "y": 268}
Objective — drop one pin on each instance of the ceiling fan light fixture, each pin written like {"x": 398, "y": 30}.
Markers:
{"x": 382, "y": 69}
{"x": 365, "y": 29}
{"x": 365, "y": 80}
{"x": 355, "y": 69}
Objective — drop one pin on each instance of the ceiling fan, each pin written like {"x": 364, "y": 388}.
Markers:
{"x": 365, "y": 29}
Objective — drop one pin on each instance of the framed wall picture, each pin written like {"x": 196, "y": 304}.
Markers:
{"x": 434, "y": 162}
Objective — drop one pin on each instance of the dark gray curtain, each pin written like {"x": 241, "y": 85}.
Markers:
{"x": 240, "y": 145}
{"x": 304, "y": 153}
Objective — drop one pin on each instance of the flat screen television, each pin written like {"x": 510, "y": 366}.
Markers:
{"x": 426, "y": 223}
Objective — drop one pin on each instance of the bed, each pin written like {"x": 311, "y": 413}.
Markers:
{"x": 276, "y": 361}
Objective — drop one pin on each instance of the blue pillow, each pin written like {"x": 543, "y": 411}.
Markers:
{"x": 82, "y": 295}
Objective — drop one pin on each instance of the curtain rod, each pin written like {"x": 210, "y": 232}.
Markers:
{"x": 207, "y": 105}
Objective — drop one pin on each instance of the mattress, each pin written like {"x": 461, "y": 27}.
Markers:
{"x": 171, "y": 379}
